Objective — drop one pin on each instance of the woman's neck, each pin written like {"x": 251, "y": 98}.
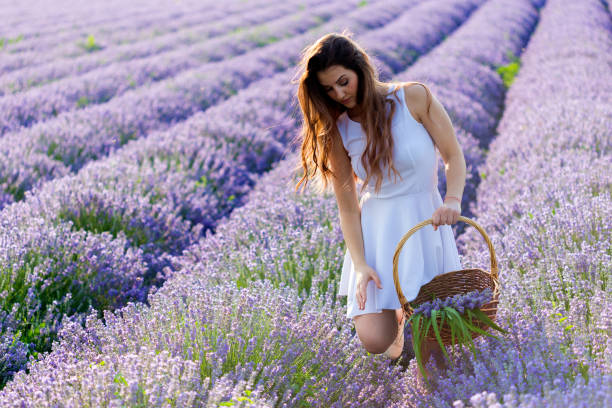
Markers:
{"x": 354, "y": 114}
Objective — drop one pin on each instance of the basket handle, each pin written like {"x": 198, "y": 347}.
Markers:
{"x": 402, "y": 241}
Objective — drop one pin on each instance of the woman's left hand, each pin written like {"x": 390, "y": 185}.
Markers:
{"x": 447, "y": 213}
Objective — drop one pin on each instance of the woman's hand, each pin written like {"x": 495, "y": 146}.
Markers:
{"x": 363, "y": 275}
{"x": 447, "y": 213}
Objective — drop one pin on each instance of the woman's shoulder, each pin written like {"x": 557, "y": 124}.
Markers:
{"x": 417, "y": 98}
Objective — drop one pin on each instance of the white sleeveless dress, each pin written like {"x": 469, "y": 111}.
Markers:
{"x": 387, "y": 216}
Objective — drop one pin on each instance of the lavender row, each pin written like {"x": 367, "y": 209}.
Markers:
{"x": 31, "y": 68}
{"x": 116, "y": 28}
{"x": 65, "y": 144}
{"x": 568, "y": 159}
{"x": 216, "y": 24}
{"x": 180, "y": 192}
{"x": 448, "y": 71}
{"x": 36, "y": 20}
{"x": 552, "y": 235}
{"x": 405, "y": 40}
{"x": 101, "y": 85}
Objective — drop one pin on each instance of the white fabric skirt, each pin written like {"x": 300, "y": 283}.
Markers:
{"x": 426, "y": 254}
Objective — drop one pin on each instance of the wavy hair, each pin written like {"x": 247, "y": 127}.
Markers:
{"x": 320, "y": 112}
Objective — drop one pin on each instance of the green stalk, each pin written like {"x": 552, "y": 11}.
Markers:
{"x": 434, "y": 318}
{"x": 482, "y": 316}
{"x": 416, "y": 340}
{"x": 465, "y": 338}
{"x": 452, "y": 328}
{"x": 475, "y": 328}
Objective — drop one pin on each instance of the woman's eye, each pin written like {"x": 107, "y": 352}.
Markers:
{"x": 344, "y": 83}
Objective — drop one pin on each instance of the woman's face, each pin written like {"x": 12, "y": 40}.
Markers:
{"x": 340, "y": 84}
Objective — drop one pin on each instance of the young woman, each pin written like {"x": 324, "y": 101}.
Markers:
{"x": 356, "y": 128}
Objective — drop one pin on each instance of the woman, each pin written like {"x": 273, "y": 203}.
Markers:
{"x": 357, "y": 128}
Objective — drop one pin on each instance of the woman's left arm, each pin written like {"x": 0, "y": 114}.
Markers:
{"x": 434, "y": 118}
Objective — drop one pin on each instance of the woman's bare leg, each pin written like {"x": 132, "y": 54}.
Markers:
{"x": 395, "y": 349}
{"x": 377, "y": 331}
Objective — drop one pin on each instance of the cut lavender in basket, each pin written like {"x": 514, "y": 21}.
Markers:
{"x": 460, "y": 314}
{"x": 459, "y": 302}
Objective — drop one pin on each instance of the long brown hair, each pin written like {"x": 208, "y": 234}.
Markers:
{"x": 320, "y": 112}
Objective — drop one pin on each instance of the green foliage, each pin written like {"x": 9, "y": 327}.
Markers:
{"x": 17, "y": 191}
{"x": 61, "y": 293}
{"x": 131, "y": 81}
{"x": 203, "y": 182}
{"x": 82, "y": 102}
{"x": 238, "y": 399}
{"x": 7, "y": 41}
{"x": 462, "y": 326}
{"x": 295, "y": 269}
{"x": 510, "y": 70}
{"x": 90, "y": 44}
{"x": 362, "y": 3}
{"x": 97, "y": 222}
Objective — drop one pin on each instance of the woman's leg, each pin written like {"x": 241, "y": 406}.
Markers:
{"x": 378, "y": 331}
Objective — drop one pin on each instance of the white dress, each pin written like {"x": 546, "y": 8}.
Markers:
{"x": 388, "y": 215}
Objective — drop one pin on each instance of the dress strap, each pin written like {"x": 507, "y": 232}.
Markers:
{"x": 405, "y": 108}
{"x": 400, "y": 98}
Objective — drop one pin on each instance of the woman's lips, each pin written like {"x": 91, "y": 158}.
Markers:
{"x": 346, "y": 101}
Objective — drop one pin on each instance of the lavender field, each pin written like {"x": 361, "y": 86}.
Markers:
{"x": 153, "y": 252}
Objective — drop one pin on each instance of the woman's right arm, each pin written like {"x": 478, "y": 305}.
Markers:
{"x": 350, "y": 216}
{"x": 347, "y": 199}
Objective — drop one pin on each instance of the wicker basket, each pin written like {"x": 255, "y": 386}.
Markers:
{"x": 451, "y": 283}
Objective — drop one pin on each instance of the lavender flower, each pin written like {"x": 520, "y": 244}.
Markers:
{"x": 460, "y": 302}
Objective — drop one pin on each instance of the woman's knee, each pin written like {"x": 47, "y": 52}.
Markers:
{"x": 376, "y": 331}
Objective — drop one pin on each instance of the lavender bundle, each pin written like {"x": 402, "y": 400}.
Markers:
{"x": 461, "y": 312}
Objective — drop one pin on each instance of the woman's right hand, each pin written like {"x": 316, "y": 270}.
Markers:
{"x": 363, "y": 275}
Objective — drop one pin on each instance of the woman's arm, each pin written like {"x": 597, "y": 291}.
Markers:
{"x": 439, "y": 126}
{"x": 350, "y": 218}
{"x": 348, "y": 202}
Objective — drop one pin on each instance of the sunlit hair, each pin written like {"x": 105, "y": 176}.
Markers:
{"x": 320, "y": 112}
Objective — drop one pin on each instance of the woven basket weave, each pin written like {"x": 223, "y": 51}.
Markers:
{"x": 451, "y": 283}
